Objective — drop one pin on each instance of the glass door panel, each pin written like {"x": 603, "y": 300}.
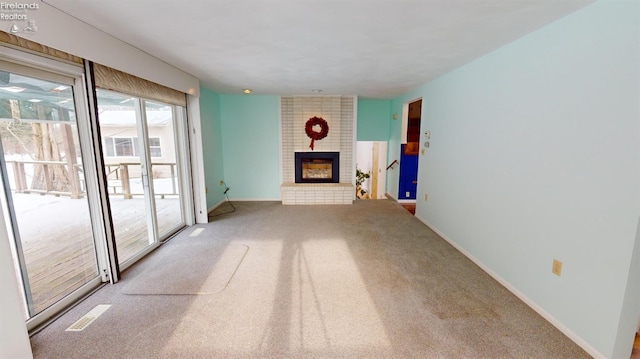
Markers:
{"x": 44, "y": 191}
{"x": 121, "y": 151}
{"x": 140, "y": 149}
{"x": 163, "y": 153}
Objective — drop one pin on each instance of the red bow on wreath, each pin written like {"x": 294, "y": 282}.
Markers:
{"x": 313, "y": 135}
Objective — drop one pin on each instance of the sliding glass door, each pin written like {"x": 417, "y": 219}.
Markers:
{"x": 44, "y": 192}
{"x": 68, "y": 218}
{"x": 140, "y": 150}
{"x": 162, "y": 126}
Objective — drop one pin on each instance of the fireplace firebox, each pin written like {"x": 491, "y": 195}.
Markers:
{"x": 317, "y": 167}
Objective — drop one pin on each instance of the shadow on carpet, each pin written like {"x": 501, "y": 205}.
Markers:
{"x": 197, "y": 268}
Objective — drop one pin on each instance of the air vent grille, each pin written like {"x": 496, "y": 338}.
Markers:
{"x": 88, "y": 318}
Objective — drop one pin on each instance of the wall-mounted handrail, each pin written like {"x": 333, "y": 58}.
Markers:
{"x": 391, "y": 165}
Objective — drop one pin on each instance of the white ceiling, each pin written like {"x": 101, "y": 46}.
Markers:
{"x": 375, "y": 48}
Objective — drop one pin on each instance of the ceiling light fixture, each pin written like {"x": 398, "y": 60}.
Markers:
{"x": 35, "y": 100}
{"x": 247, "y": 91}
{"x": 316, "y": 91}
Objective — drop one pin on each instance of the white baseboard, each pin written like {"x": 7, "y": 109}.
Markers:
{"x": 406, "y": 201}
{"x": 212, "y": 208}
{"x": 389, "y": 196}
{"x": 551, "y": 319}
{"x": 244, "y": 200}
{"x": 255, "y": 199}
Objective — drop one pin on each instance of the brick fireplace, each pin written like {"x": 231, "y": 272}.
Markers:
{"x": 318, "y": 185}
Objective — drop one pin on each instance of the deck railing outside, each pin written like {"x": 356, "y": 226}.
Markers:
{"x": 118, "y": 175}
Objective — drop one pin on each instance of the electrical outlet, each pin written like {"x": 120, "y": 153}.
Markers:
{"x": 426, "y": 197}
{"x": 557, "y": 267}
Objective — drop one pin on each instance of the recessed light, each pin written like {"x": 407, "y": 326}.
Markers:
{"x": 247, "y": 91}
{"x": 35, "y": 100}
{"x": 316, "y": 91}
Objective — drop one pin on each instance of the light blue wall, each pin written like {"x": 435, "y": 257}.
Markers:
{"x": 251, "y": 150}
{"x": 535, "y": 155}
{"x": 374, "y": 117}
{"x": 211, "y": 126}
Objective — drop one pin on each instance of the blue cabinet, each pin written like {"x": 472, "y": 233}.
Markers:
{"x": 408, "y": 173}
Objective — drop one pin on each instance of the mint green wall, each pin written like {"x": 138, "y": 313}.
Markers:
{"x": 535, "y": 155}
{"x": 374, "y": 117}
{"x": 251, "y": 150}
{"x": 211, "y": 126}
{"x": 393, "y": 148}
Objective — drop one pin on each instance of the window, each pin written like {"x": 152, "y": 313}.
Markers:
{"x": 154, "y": 147}
{"x": 127, "y": 146}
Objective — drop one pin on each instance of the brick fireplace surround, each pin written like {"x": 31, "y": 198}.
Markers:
{"x": 339, "y": 112}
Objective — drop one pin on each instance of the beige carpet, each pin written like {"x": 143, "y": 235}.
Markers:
{"x": 203, "y": 268}
{"x": 367, "y": 280}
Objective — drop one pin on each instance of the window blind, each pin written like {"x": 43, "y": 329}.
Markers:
{"x": 111, "y": 79}
{"x": 14, "y": 41}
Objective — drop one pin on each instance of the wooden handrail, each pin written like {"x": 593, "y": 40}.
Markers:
{"x": 391, "y": 165}
{"x": 122, "y": 174}
{"x": 119, "y": 170}
{"x": 20, "y": 175}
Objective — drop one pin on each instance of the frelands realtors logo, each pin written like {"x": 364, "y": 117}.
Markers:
{"x": 18, "y": 14}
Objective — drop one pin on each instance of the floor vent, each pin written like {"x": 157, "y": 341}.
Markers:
{"x": 88, "y": 318}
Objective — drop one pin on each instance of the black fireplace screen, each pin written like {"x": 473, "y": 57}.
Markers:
{"x": 317, "y": 167}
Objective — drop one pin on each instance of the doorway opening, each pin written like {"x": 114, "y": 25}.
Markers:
{"x": 371, "y": 158}
{"x": 412, "y": 115}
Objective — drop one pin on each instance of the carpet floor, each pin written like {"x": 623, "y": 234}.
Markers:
{"x": 367, "y": 280}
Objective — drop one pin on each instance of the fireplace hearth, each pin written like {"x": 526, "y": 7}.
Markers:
{"x": 317, "y": 167}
